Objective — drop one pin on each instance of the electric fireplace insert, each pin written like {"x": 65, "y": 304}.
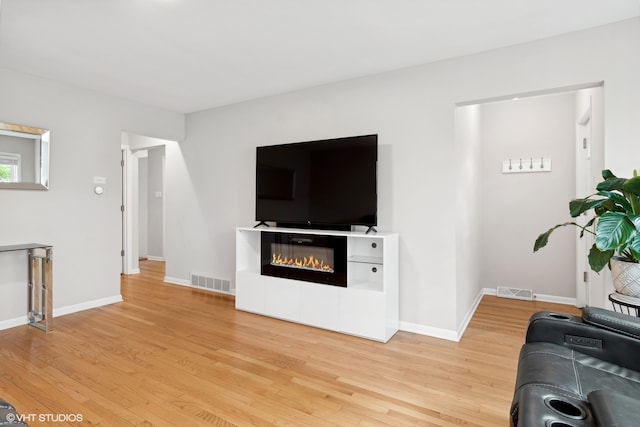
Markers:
{"x": 307, "y": 257}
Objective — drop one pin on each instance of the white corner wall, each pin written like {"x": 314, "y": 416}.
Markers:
{"x": 469, "y": 197}
{"x": 150, "y": 203}
{"x": 83, "y": 228}
{"x": 412, "y": 110}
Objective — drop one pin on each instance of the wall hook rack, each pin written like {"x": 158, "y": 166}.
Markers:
{"x": 526, "y": 165}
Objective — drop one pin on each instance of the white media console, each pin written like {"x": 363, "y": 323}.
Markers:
{"x": 367, "y": 307}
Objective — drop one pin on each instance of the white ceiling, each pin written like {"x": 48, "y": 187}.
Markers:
{"x": 189, "y": 55}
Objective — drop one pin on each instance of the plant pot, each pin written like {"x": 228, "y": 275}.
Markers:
{"x": 626, "y": 277}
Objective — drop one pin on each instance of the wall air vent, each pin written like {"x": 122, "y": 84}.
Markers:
{"x": 212, "y": 284}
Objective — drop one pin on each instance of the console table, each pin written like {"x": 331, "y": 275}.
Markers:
{"x": 40, "y": 266}
{"x": 368, "y": 306}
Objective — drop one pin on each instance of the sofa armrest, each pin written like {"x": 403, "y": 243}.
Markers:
{"x": 610, "y": 320}
{"x": 610, "y": 336}
{"x": 613, "y": 409}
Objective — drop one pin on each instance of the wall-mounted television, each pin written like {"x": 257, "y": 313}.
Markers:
{"x": 325, "y": 184}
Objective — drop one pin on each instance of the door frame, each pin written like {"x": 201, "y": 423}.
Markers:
{"x": 589, "y": 164}
{"x": 583, "y": 189}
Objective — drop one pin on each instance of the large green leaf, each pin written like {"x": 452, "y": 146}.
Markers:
{"x": 611, "y": 184}
{"x": 633, "y": 185}
{"x": 634, "y": 246}
{"x": 598, "y": 259}
{"x": 543, "y": 239}
{"x": 632, "y": 192}
{"x": 635, "y": 219}
{"x": 609, "y": 205}
{"x": 579, "y": 206}
{"x": 614, "y": 229}
{"x": 618, "y": 199}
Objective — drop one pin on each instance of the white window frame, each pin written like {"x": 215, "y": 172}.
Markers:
{"x": 14, "y": 161}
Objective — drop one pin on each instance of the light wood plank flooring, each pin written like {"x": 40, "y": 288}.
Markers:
{"x": 174, "y": 356}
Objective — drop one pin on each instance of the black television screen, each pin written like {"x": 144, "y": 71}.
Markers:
{"x": 324, "y": 184}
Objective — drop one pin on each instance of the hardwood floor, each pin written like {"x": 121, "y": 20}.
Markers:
{"x": 174, "y": 356}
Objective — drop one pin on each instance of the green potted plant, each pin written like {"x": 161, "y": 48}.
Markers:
{"x": 616, "y": 226}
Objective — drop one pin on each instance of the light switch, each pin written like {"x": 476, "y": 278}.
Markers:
{"x": 99, "y": 180}
{"x": 158, "y": 194}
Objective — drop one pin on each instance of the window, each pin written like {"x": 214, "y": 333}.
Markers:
{"x": 9, "y": 167}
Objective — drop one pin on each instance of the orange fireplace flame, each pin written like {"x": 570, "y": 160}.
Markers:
{"x": 310, "y": 263}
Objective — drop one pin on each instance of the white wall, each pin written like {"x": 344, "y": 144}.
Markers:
{"x": 469, "y": 198}
{"x": 83, "y": 228}
{"x": 155, "y": 203}
{"x": 150, "y": 203}
{"x": 517, "y": 207}
{"x": 412, "y": 110}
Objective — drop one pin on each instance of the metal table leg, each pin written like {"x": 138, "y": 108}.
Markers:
{"x": 40, "y": 311}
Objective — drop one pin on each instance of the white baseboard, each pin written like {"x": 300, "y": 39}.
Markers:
{"x": 429, "y": 331}
{"x": 133, "y": 271}
{"x": 472, "y": 310}
{"x": 176, "y": 281}
{"x": 12, "y": 323}
{"x": 555, "y": 299}
{"x": 447, "y": 334}
{"x": 62, "y": 311}
{"x": 452, "y": 335}
{"x": 540, "y": 297}
{"x": 23, "y": 320}
{"x": 155, "y": 258}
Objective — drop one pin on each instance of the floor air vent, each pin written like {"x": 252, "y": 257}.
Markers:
{"x": 525, "y": 294}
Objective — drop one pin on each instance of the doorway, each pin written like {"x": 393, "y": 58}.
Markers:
{"x": 511, "y": 209}
{"x": 143, "y": 208}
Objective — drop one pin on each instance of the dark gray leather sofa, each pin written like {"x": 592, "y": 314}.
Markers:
{"x": 579, "y": 371}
